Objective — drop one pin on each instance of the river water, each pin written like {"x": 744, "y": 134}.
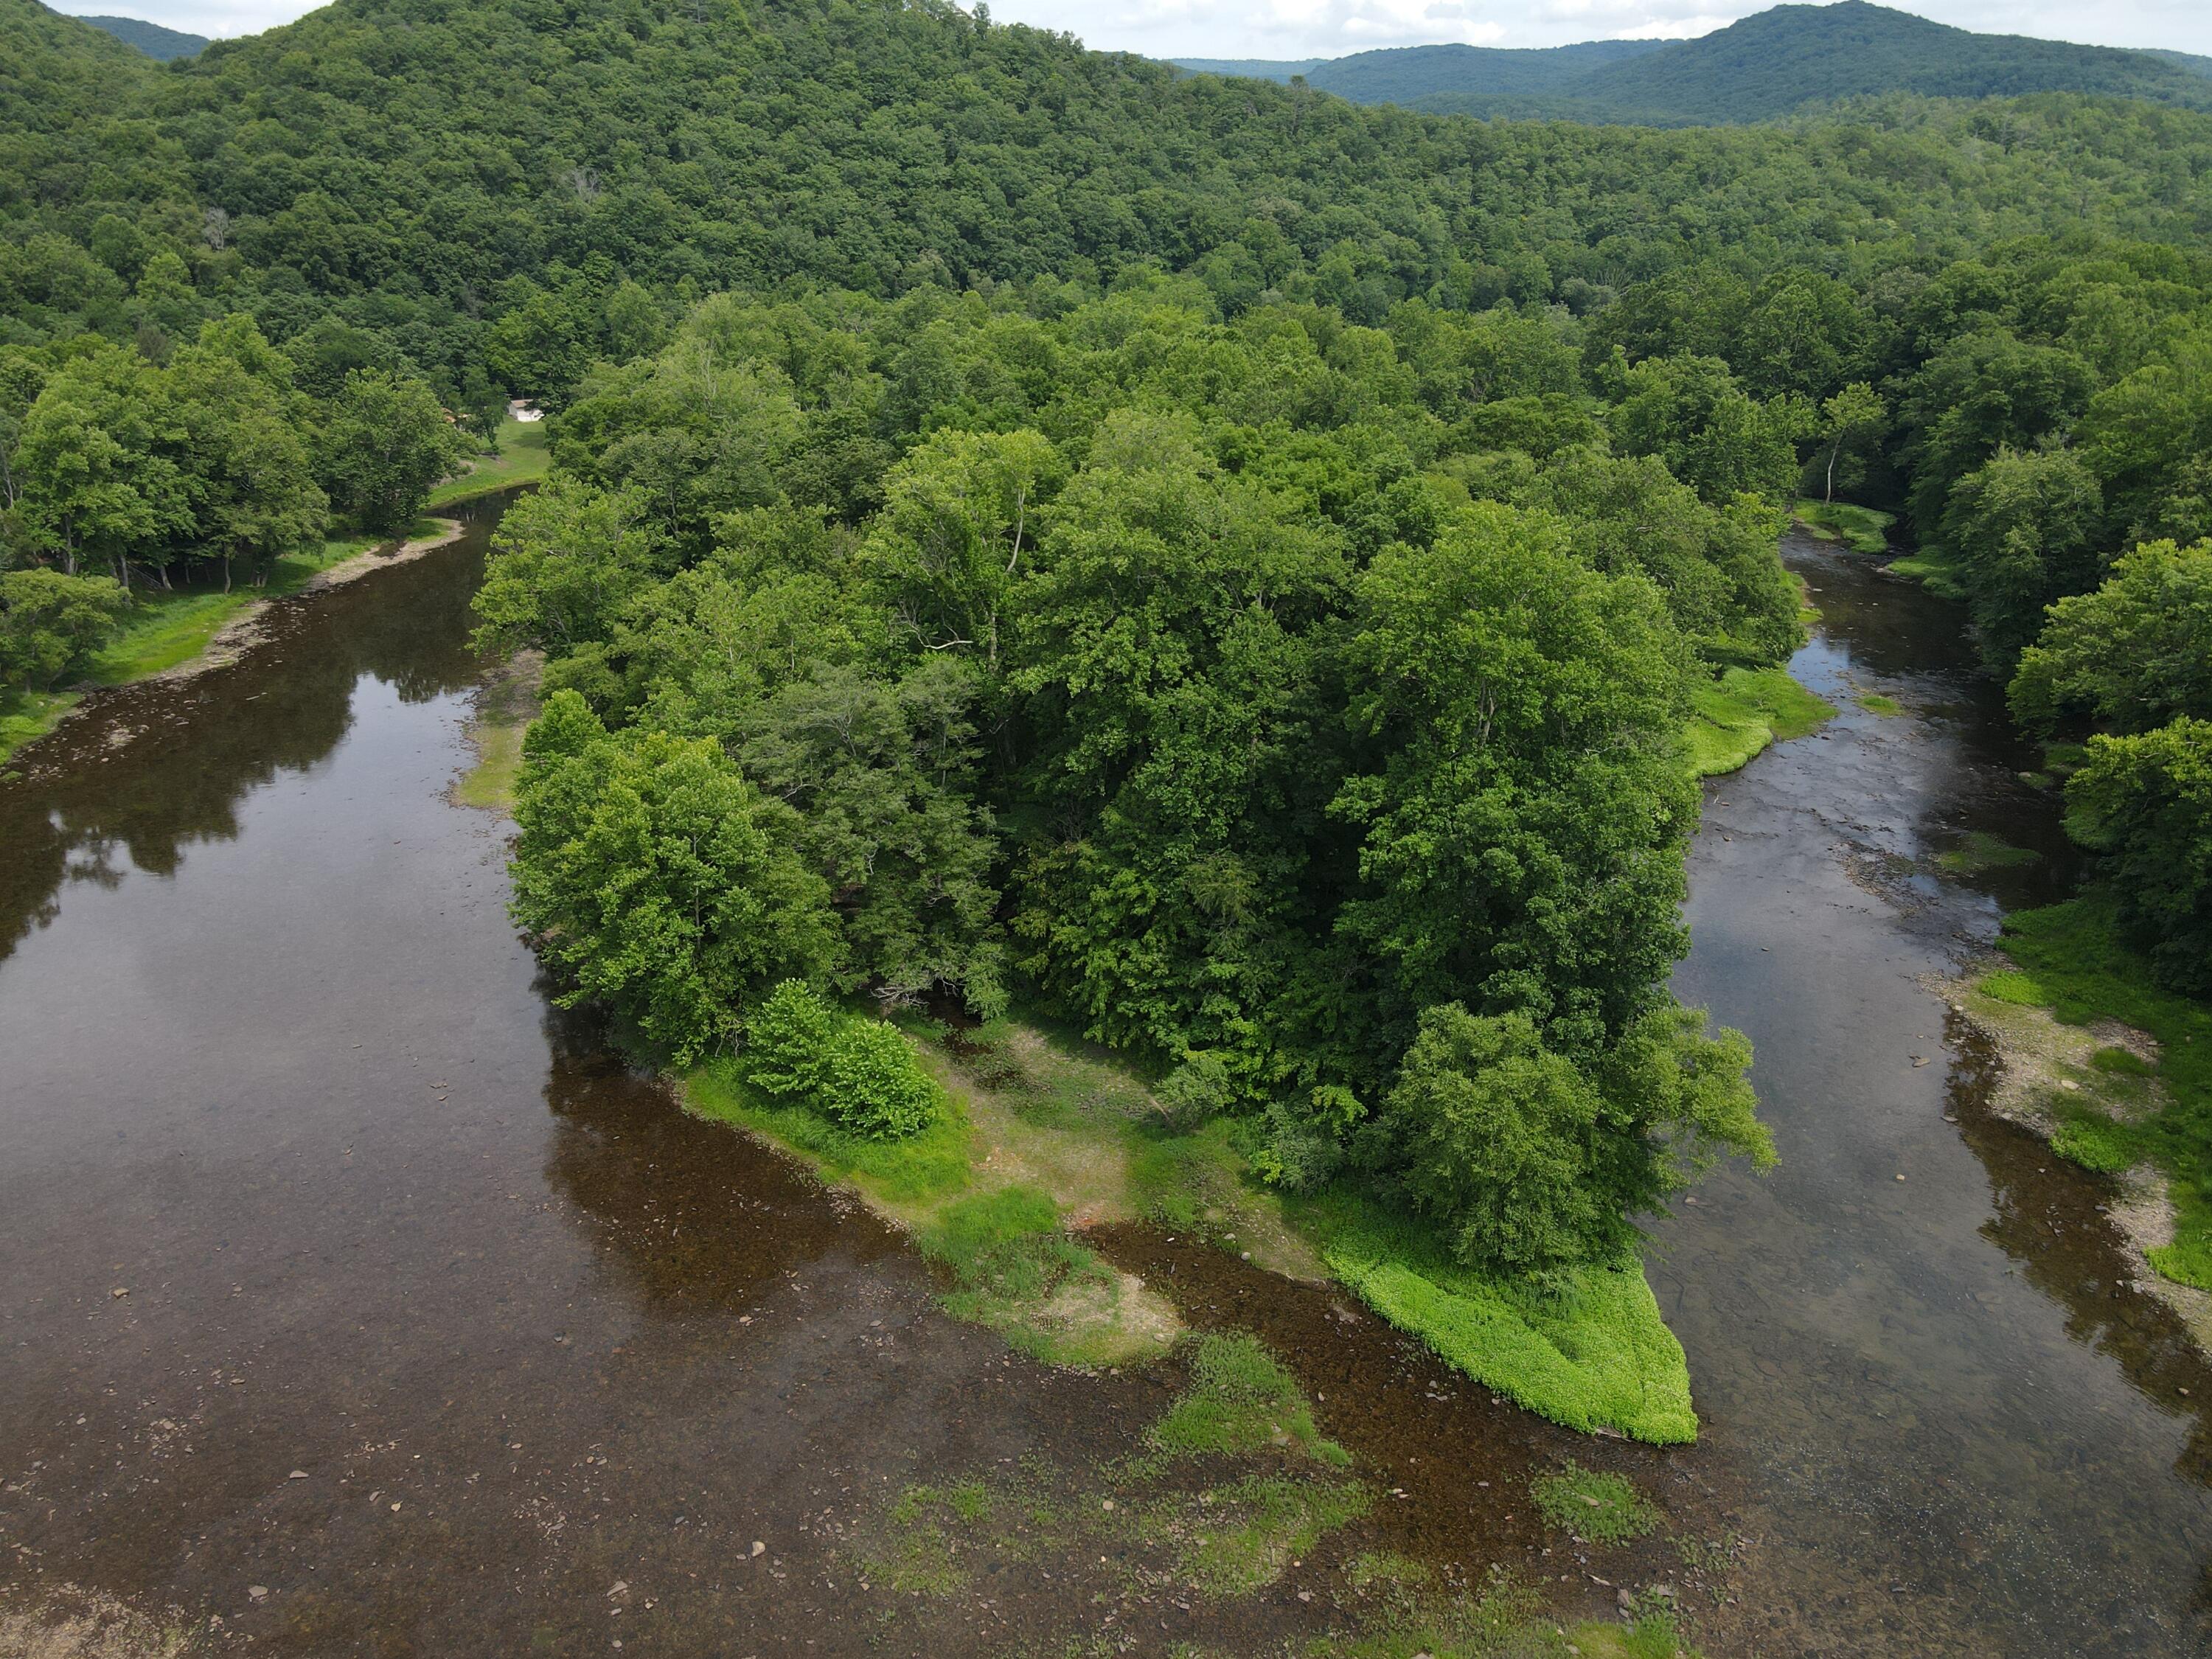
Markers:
{"x": 355, "y": 1302}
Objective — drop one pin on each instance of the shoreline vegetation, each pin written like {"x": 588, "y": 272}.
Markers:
{"x": 2116, "y": 1073}
{"x": 1737, "y": 715}
{"x": 1862, "y": 529}
{"x": 524, "y": 457}
{"x": 1042, "y": 1139}
{"x": 178, "y": 635}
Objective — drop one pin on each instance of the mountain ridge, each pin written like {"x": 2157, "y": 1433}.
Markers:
{"x": 160, "y": 43}
{"x": 1768, "y": 66}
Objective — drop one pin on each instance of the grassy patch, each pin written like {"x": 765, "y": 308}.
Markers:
{"x": 162, "y": 630}
{"x": 1862, "y": 529}
{"x": 1875, "y": 703}
{"x": 26, "y": 716}
{"x": 1982, "y": 852}
{"x": 1001, "y": 1236}
{"x": 489, "y": 783}
{"x": 506, "y": 704}
{"x": 1044, "y": 1131}
{"x": 1015, "y": 1271}
{"x": 1239, "y": 1538}
{"x": 1603, "y": 1509}
{"x": 908, "y": 1179}
{"x": 523, "y": 458}
{"x": 1736, "y": 716}
{"x": 1934, "y": 570}
{"x": 2072, "y": 961}
{"x": 1241, "y": 1400}
{"x": 1596, "y": 1357}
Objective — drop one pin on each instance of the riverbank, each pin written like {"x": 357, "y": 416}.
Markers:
{"x": 2116, "y": 1074}
{"x": 524, "y": 457}
{"x": 179, "y": 636}
{"x": 1734, "y": 718}
{"x": 1045, "y": 1140}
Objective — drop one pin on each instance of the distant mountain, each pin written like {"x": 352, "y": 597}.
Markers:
{"x": 152, "y": 38}
{"x": 1257, "y": 69}
{"x": 1771, "y": 64}
{"x": 1402, "y": 75}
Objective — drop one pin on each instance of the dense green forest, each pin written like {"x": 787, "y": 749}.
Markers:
{"x": 1224, "y": 565}
{"x": 1772, "y": 64}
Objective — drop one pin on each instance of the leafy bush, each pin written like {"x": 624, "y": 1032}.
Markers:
{"x": 871, "y": 1084}
{"x": 787, "y": 1040}
{"x": 1195, "y": 1091}
{"x": 1493, "y": 1137}
{"x": 658, "y": 882}
{"x": 2146, "y": 804}
{"x": 50, "y": 624}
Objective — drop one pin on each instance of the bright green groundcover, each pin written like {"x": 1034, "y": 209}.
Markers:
{"x": 1596, "y": 1357}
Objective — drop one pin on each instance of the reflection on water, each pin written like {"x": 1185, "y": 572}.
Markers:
{"x": 145, "y": 771}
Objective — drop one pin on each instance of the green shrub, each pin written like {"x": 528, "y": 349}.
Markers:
{"x": 1195, "y": 1091}
{"x": 788, "y": 1041}
{"x": 871, "y": 1084}
{"x": 50, "y": 624}
{"x": 2145, "y": 803}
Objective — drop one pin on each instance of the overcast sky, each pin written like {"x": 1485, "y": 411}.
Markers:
{"x": 1329, "y": 29}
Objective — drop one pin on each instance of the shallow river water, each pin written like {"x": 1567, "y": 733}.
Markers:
{"x": 352, "y": 1300}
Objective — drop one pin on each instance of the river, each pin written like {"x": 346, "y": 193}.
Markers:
{"x": 356, "y": 1302}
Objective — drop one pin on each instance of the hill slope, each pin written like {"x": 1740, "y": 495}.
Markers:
{"x": 160, "y": 43}
{"x": 1403, "y": 75}
{"x": 1769, "y": 66}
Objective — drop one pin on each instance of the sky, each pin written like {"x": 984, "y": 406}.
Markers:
{"x": 1330, "y": 29}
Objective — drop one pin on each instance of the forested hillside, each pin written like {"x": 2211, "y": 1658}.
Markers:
{"x": 1235, "y": 568}
{"x": 1771, "y": 64}
{"x": 158, "y": 43}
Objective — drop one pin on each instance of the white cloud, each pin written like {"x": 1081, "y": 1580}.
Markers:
{"x": 1328, "y": 29}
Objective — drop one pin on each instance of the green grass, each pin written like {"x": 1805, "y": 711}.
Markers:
{"x": 1862, "y": 529}
{"x": 2072, "y": 960}
{"x": 26, "y": 716}
{"x": 909, "y": 1178}
{"x": 1597, "y": 1356}
{"x": 489, "y": 783}
{"x": 1241, "y": 1400}
{"x": 523, "y": 458}
{"x": 1604, "y": 1508}
{"x": 1934, "y": 570}
{"x": 1982, "y": 852}
{"x": 1738, "y": 714}
{"x": 1042, "y": 1129}
{"x": 1011, "y": 1263}
{"x": 1238, "y": 1539}
{"x": 1875, "y": 703}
